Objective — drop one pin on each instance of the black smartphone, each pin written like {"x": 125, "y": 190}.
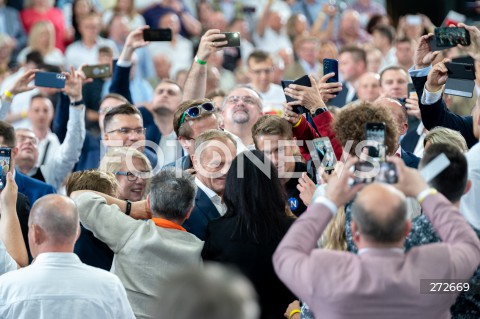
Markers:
{"x": 305, "y": 81}
{"x": 375, "y": 132}
{"x": 5, "y": 157}
{"x": 50, "y": 80}
{"x": 249, "y": 9}
{"x": 233, "y": 39}
{"x": 329, "y": 66}
{"x": 157, "y": 34}
{"x": 461, "y": 79}
{"x": 448, "y": 37}
{"x": 97, "y": 71}
{"x": 411, "y": 89}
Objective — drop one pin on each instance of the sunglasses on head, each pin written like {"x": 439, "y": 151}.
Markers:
{"x": 195, "y": 111}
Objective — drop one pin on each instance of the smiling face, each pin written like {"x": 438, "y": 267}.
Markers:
{"x": 132, "y": 187}
{"x": 27, "y": 144}
{"x": 242, "y": 106}
{"x": 395, "y": 83}
{"x": 213, "y": 163}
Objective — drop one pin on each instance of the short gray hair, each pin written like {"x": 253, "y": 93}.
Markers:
{"x": 172, "y": 193}
{"x": 388, "y": 229}
{"x": 211, "y": 292}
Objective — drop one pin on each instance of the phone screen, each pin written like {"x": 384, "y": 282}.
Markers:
{"x": 375, "y": 132}
{"x": 5, "y": 165}
{"x": 451, "y": 37}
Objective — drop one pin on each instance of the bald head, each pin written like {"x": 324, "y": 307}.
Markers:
{"x": 56, "y": 217}
{"x": 380, "y": 213}
{"x": 399, "y": 113}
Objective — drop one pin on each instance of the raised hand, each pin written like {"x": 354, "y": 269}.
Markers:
{"x": 22, "y": 84}
{"x": 328, "y": 90}
{"x": 437, "y": 76}
{"x": 424, "y": 55}
{"x": 73, "y": 85}
{"x": 207, "y": 45}
{"x": 474, "y": 48}
{"x": 307, "y": 96}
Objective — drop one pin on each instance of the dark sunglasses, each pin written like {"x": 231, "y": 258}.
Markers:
{"x": 196, "y": 110}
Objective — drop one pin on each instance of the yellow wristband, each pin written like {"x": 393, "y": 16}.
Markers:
{"x": 293, "y": 312}
{"x": 8, "y": 94}
{"x": 425, "y": 193}
{"x": 23, "y": 114}
{"x": 298, "y": 123}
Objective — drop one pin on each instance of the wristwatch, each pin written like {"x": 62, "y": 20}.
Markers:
{"x": 320, "y": 111}
{"x": 77, "y": 103}
{"x": 128, "y": 210}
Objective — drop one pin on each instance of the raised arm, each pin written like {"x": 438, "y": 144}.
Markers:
{"x": 296, "y": 260}
{"x": 450, "y": 225}
{"x": 262, "y": 23}
{"x": 196, "y": 82}
{"x": 105, "y": 217}
{"x": 121, "y": 70}
{"x": 21, "y": 85}
{"x": 10, "y": 231}
{"x": 56, "y": 170}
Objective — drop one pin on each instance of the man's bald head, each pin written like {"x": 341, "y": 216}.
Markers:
{"x": 380, "y": 213}
{"x": 398, "y": 111}
{"x": 57, "y": 218}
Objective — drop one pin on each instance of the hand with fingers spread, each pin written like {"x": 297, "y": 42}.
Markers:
{"x": 73, "y": 85}
{"x": 290, "y": 115}
{"x": 424, "y": 55}
{"x": 22, "y": 84}
{"x": 410, "y": 182}
{"x": 306, "y": 96}
{"x": 328, "y": 91}
{"x": 338, "y": 189}
{"x": 437, "y": 76}
{"x": 307, "y": 188}
{"x": 474, "y": 48}
{"x": 412, "y": 107}
{"x": 207, "y": 45}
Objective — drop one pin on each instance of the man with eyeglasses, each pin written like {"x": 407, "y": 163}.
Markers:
{"x": 157, "y": 115}
{"x": 260, "y": 71}
{"x": 192, "y": 118}
{"x": 241, "y": 109}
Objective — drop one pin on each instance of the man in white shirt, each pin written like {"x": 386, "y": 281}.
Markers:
{"x": 57, "y": 284}
{"x": 85, "y": 50}
{"x": 260, "y": 71}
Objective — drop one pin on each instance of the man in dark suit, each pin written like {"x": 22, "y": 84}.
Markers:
{"x": 352, "y": 63}
{"x": 429, "y": 89}
{"x": 214, "y": 153}
{"x": 401, "y": 120}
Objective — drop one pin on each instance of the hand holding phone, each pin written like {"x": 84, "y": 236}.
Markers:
{"x": 303, "y": 81}
{"x": 5, "y": 157}
{"x": 157, "y": 34}
{"x": 50, "y": 80}
{"x": 449, "y": 37}
{"x": 331, "y": 66}
{"x": 375, "y": 132}
{"x": 233, "y": 39}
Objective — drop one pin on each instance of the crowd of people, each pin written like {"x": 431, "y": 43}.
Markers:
{"x": 189, "y": 183}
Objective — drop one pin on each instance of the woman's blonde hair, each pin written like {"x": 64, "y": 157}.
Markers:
{"x": 333, "y": 237}
{"x": 116, "y": 157}
{"x": 34, "y": 35}
{"x": 443, "y": 135}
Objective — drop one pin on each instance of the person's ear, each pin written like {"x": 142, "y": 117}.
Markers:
{"x": 467, "y": 187}
{"x": 408, "y": 228}
{"x": 187, "y": 216}
{"x": 355, "y": 232}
